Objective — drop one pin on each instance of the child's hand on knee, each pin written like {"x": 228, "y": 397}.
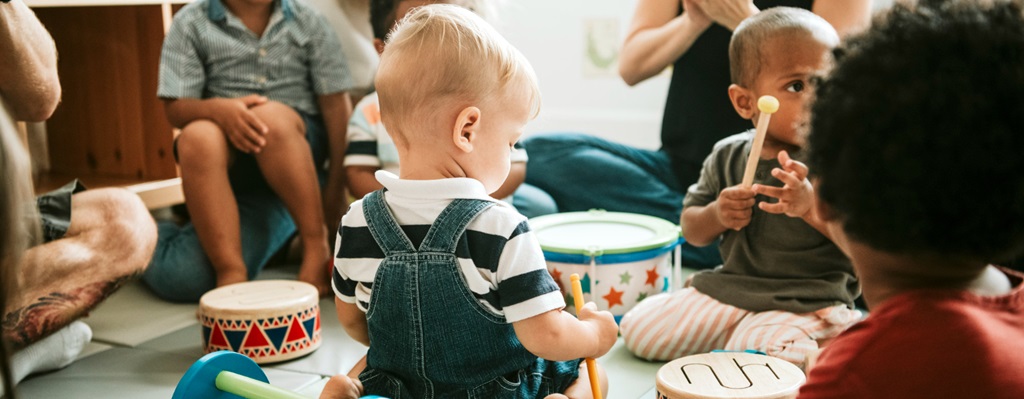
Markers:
{"x": 734, "y": 207}
{"x": 602, "y": 323}
{"x": 342, "y": 387}
{"x": 241, "y": 126}
{"x": 797, "y": 195}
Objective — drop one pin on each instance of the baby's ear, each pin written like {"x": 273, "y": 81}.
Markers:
{"x": 742, "y": 100}
{"x": 466, "y": 126}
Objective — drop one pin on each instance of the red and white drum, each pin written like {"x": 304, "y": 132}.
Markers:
{"x": 268, "y": 321}
{"x": 729, "y": 375}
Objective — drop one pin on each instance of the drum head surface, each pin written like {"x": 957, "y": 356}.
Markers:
{"x": 598, "y": 232}
{"x": 729, "y": 375}
{"x": 261, "y": 295}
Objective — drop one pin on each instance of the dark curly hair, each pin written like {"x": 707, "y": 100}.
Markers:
{"x": 917, "y": 135}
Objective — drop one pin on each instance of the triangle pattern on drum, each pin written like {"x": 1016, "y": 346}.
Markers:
{"x": 255, "y": 337}
{"x": 276, "y": 336}
{"x": 308, "y": 324}
{"x": 235, "y": 338}
{"x": 206, "y": 334}
{"x": 217, "y": 337}
{"x": 296, "y": 333}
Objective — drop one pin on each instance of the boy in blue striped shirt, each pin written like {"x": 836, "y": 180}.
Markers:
{"x": 258, "y": 88}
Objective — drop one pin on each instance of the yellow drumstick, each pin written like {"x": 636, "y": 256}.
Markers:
{"x": 767, "y": 105}
{"x": 577, "y": 299}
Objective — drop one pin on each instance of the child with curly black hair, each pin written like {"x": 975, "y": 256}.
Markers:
{"x": 916, "y": 141}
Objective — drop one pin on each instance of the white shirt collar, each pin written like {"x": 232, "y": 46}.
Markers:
{"x": 440, "y": 189}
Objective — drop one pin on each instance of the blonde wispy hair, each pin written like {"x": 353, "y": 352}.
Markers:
{"x": 443, "y": 55}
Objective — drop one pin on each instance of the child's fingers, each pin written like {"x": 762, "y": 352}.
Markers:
{"x": 774, "y": 192}
{"x": 737, "y": 193}
{"x": 737, "y": 219}
{"x": 252, "y": 140}
{"x": 255, "y": 122}
{"x": 797, "y": 168}
{"x": 738, "y": 205}
{"x": 240, "y": 141}
{"x": 788, "y": 178}
{"x": 784, "y": 157}
{"x": 253, "y": 100}
{"x": 777, "y": 207}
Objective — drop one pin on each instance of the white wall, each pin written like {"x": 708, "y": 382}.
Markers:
{"x": 578, "y": 96}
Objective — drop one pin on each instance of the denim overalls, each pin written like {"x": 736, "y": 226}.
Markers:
{"x": 429, "y": 335}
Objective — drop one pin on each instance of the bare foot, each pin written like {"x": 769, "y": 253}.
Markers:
{"x": 316, "y": 266}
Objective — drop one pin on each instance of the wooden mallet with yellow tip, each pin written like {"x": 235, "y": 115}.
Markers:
{"x": 767, "y": 105}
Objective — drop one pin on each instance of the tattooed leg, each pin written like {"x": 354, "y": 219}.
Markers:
{"x": 53, "y": 311}
{"x": 109, "y": 242}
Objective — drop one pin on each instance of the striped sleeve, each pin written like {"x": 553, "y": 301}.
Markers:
{"x": 328, "y": 68}
{"x": 525, "y": 287}
{"x": 181, "y": 72}
{"x": 354, "y": 271}
{"x": 362, "y": 142}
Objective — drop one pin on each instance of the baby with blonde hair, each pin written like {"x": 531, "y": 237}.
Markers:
{"x": 447, "y": 285}
{"x": 371, "y": 147}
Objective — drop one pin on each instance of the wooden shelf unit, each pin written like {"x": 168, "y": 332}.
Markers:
{"x": 110, "y": 128}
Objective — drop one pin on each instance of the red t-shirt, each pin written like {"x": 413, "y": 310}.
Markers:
{"x": 929, "y": 344}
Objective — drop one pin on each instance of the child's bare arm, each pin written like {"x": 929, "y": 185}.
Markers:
{"x": 354, "y": 321}
{"x": 516, "y": 176}
{"x": 336, "y": 110}
{"x": 361, "y": 180}
{"x": 701, "y": 225}
{"x": 241, "y": 126}
{"x": 796, "y": 197}
{"x": 557, "y": 335}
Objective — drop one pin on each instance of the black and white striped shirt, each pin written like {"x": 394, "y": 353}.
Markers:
{"x": 498, "y": 254}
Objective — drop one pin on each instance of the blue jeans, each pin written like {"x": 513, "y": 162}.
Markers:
{"x": 582, "y": 172}
{"x": 180, "y": 271}
{"x": 429, "y": 334}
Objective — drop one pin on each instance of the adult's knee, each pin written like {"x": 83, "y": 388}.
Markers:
{"x": 126, "y": 223}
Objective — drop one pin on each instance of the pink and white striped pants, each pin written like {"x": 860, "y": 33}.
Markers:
{"x": 686, "y": 322}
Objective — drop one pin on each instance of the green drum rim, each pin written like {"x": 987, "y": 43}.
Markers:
{"x": 664, "y": 233}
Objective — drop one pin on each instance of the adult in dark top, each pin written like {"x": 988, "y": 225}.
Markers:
{"x": 582, "y": 172}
